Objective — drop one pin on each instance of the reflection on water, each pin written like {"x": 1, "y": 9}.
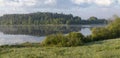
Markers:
{"x": 37, "y": 30}
{"x": 21, "y": 34}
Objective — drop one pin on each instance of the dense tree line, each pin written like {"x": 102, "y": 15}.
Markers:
{"x": 41, "y": 18}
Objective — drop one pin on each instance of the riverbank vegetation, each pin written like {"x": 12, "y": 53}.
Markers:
{"x": 108, "y": 32}
{"x": 76, "y": 39}
{"x": 72, "y": 39}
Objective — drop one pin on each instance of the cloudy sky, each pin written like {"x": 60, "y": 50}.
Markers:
{"x": 83, "y": 8}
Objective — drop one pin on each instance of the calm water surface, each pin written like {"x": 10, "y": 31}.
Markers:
{"x": 34, "y": 34}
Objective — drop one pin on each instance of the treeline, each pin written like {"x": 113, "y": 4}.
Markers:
{"x": 111, "y": 31}
{"x": 41, "y": 18}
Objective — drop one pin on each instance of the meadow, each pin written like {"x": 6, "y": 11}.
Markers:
{"x": 98, "y": 49}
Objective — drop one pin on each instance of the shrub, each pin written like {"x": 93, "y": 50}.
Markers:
{"x": 72, "y": 39}
{"x": 109, "y": 32}
{"x": 55, "y": 40}
{"x": 100, "y": 34}
{"x": 75, "y": 39}
{"x": 114, "y": 27}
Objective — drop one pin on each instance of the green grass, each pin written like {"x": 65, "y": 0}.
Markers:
{"x": 100, "y": 49}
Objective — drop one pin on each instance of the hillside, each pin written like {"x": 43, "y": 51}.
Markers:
{"x": 100, "y": 49}
{"x": 45, "y": 18}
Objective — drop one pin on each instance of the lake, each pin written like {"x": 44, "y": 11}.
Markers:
{"x": 34, "y": 34}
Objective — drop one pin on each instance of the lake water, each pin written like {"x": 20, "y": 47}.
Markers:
{"x": 34, "y": 34}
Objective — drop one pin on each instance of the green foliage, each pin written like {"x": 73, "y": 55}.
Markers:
{"x": 42, "y": 18}
{"x": 114, "y": 27}
{"x": 75, "y": 39}
{"x": 38, "y": 18}
{"x": 55, "y": 40}
{"x": 93, "y": 18}
{"x": 100, "y": 34}
{"x": 72, "y": 39}
{"x": 109, "y": 32}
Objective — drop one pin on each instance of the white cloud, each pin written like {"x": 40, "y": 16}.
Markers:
{"x": 119, "y": 1}
{"x": 103, "y": 2}
{"x": 50, "y": 2}
{"x": 97, "y": 2}
{"x": 81, "y": 1}
{"x": 16, "y": 3}
{"x": 1, "y": 3}
{"x": 29, "y": 2}
{"x": 22, "y": 6}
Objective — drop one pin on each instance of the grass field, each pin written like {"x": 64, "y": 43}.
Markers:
{"x": 100, "y": 49}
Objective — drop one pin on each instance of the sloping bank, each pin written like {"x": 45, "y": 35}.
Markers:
{"x": 99, "y": 49}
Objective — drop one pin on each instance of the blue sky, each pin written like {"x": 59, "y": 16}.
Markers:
{"x": 82, "y": 8}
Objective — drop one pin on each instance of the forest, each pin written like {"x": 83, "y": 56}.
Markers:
{"x": 45, "y": 18}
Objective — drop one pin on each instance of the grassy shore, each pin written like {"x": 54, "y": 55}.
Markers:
{"x": 99, "y": 49}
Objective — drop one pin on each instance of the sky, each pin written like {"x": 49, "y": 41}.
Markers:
{"x": 82, "y": 8}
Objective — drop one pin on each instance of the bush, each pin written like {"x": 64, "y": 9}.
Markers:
{"x": 72, "y": 39}
{"x": 100, "y": 34}
{"x": 109, "y": 32}
{"x": 114, "y": 27}
{"x": 55, "y": 40}
{"x": 75, "y": 39}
